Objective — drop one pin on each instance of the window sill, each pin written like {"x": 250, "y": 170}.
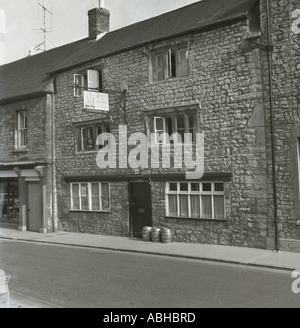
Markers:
{"x": 79, "y": 211}
{"x": 20, "y": 150}
{"x": 172, "y": 79}
{"x": 198, "y": 219}
{"x": 92, "y": 152}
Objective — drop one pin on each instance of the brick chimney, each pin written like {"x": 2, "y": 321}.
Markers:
{"x": 98, "y": 22}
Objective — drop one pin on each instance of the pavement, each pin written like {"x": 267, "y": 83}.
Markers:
{"x": 226, "y": 254}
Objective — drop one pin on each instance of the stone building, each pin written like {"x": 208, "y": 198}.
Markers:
{"x": 226, "y": 73}
{"x": 27, "y": 170}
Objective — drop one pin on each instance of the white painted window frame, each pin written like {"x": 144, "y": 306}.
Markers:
{"x": 211, "y": 193}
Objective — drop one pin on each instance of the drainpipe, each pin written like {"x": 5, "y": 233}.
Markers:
{"x": 274, "y": 175}
{"x": 53, "y": 161}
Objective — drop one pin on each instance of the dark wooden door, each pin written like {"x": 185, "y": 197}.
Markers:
{"x": 141, "y": 207}
{"x": 34, "y": 206}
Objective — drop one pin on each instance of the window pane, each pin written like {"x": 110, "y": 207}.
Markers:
{"x": 182, "y": 67}
{"x": 219, "y": 187}
{"x": 159, "y": 124}
{"x": 95, "y": 189}
{"x": 84, "y": 203}
{"x": 105, "y": 197}
{"x": 105, "y": 189}
{"x": 169, "y": 123}
{"x": 219, "y": 207}
{"x": 76, "y": 203}
{"x": 173, "y": 211}
{"x": 184, "y": 187}
{"x": 23, "y": 134}
{"x": 173, "y": 187}
{"x": 206, "y": 207}
{"x": 206, "y": 186}
{"x": 88, "y": 139}
{"x": 75, "y": 197}
{"x": 195, "y": 206}
{"x": 180, "y": 126}
{"x": 158, "y": 67}
{"x": 173, "y": 63}
{"x": 195, "y": 187}
{"x": 192, "y": 127}
{"x": 95, "y": 204}
{"x": 183, "y": 200}
{"x": 75, "y": 190}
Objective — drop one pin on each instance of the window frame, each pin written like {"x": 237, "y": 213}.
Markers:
{"x": 91, "y": 80}
{"x": 173, "y": 117}
{"x": 96, "y": 126}
{"x": 19, "y": 130}
{"x": 79, "y": 89}
{"x": 171, "y": 57}
{"x": 90, "y": 197}
{"x": 213, "y": 193}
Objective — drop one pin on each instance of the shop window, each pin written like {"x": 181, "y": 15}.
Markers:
{"x": 90, "y": 196}
{"x": 9, "y": 199}
{"x": 196, "y": 200}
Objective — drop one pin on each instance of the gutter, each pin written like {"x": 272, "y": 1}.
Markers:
{"x": 23, "y": 97}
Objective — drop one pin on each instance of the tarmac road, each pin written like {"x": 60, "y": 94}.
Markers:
{"x": 72, "y": 277}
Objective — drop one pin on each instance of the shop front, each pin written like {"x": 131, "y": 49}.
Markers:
{"x": 23, "y": 197}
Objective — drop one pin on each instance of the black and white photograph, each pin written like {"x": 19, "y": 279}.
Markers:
{"x": 149, "y": 157}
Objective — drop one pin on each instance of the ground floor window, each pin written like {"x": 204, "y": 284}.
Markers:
{"x": 9, "y": 199}
{"x": 197, "y": 200}
{"x": 90, "y": 196}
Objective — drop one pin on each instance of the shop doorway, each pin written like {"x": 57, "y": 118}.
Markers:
{"x": 35, "y": 211}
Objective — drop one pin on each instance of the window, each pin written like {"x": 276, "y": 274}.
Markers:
{"x": 196, "y": 200}
{"x": 91, "y": 81}
{"x": 91, "y": 196}
{"x": 170, "y": 63}
{"x": 21, "y": 131}
{"x": 88, "y": 136}
{"x": 181, "y": 124}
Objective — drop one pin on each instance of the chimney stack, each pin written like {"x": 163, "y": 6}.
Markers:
{"x": 98, "y": 22}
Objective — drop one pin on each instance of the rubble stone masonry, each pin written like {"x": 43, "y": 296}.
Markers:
{"x": 225, "y": 82}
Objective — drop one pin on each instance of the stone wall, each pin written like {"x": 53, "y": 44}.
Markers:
{"x": 225, "y": 82}
{"x": 285, "y": 60}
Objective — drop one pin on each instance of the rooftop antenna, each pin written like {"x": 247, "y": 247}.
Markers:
{"x": 45, "y": 29}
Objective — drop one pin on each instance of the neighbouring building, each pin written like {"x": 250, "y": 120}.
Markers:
{"x": 228, "y": 71}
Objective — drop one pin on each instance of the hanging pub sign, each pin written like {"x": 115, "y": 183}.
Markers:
{"x": 96, "y": 101}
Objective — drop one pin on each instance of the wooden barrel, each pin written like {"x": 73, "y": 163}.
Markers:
{"x": 166, "y": 235}
{"x": 147, "y": 233}
{"x": 155, "y": 235}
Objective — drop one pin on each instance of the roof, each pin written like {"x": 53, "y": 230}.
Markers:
{"x": 29, "y": 75}
{"x": 33, "y": 70}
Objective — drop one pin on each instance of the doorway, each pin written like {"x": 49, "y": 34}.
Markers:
{"x": 35, "y": 211}
{"x": 141, "y": 207}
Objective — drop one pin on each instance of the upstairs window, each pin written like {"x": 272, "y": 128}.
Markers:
{"x": 21, "y": 131}
{"x": 89, "y": 136}
{"x": 171, "y": 63}
{"x": 90, "y": 81}
{"x": 181, "y": 124}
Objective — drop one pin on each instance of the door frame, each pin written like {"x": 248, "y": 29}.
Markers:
{"x": 28, "y": 181}
{"x": 131, "y": 205}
